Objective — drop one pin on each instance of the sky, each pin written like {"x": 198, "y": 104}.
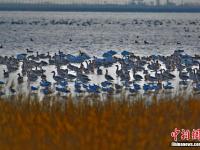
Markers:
{"x": 94, "y": 1}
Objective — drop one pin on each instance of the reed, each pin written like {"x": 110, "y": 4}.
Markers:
{"x": 89, "y": 123}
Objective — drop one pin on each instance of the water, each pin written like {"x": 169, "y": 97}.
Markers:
{"x": 99, "y": 32}
{"x": 96, "y": 33}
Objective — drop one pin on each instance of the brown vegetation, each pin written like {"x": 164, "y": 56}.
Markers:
{"x": 26, "y": 123}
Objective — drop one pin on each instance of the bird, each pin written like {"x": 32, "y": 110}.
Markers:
{"x": 20, "y": 78}
{"x": 119, "y": 72}
{"x": 183, "y": 76}
{"x": 168, "y": 86}
{"x": 137, "y": 77}
{"x": 118, "y": 87}
{"x": 45, "y": 83}
{"x": 12, "y": 90}
{"x": 62, "y": 89}
{"x": 43, "y": 76}
{"x": 34, "y": 88}
{"x": 29, "y": 51}
{"x": 108, "y": 77}
{"x": 32, "y": 77}
{"x": 99, "y": 71}
{"x": 57, "y": 78}
{"x": 70, "y": 76}
{"x": 106, "y": 83}
{"x": 5, "y": 74}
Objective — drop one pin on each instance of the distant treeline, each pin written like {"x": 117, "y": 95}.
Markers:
{"x": 95, "y": 7}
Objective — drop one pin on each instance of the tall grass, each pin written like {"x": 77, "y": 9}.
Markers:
{"x": 89, "y": 123}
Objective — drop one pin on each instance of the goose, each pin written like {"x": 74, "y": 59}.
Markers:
{"x": 41, "y": 56}
{"x": 136, "y": 42}
{"x": 62, "y": 89}
{"x": 12, "y": 68}
{"x": 118, "y": 87}
{"x": 20, "y": 78}
{"x": 118, "y": 71}
{"x": 136, "y": 86}
{"x": 150, "y": 78}
{"x": 12, "y": 90}
{"x": 52, "y": 61}
{"x": 127, "y": 84}
{"x": 146, "y": 42}
{"x": 108, "y": 77}
{"x": 184, "y": 83}
{"x": 73, "y": 68}
{"x": 43, "y": 63}
{"x": 99, "y": 71}
{"x": 183, "y": 76}
{"x": 127, "y": 75}
{"x": 70, "y": 76}
{"x": 47, "y": 91}
{"x": 34, "y": 88}
{"x": 29, "y": 51}
{"x": 146, "y": 87}
{"x": 5, "y": 74}
{"x": 62, "y": 72}
{"x": 125, "y": 53}
{"x": 91, "y": 66}
{"x": 168, "y": 86}
{"x": 45, "y": 83}
{"x": 137, "y": 77}
{"x": 197, "y": 88}
{"x": 78, "y": 90}
{"x": 145, "y": 72}
{"x": 77, "y": 86}
{"x": 107, "y": 89}
{"x": 132, "y": 90}
{"x": 135, "y": 89}
{"x": 82, "y": 67}
{"x": 38, "y": 72}
{"x": 159, "y": 76}
{"x": 43, "y": 76}
{"x": 83, "y": 78}
{"x": 63, "y": 83}
{"x": 193, "y": 76}
{"x": 57, "y": 78}
{"x": 106, "y": 83}
{"x": 93, "y": 89}
{"x": 32, "y": 77}
{"x": 166, "y": 74}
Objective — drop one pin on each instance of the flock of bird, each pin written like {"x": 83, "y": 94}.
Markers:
{"x": 132, "y": 73}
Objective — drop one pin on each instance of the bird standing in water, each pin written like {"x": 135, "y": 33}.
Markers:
{"x": 5, "y": 74}
{"x": 108, "y": 77}
{"x": 20, "y": 78}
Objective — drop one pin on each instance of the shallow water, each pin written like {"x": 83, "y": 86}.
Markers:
{"x": 99, "y": 32}
{"x": 96, "y": 33}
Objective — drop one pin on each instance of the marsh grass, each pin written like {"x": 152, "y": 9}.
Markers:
{"x": 89, "y": 123}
